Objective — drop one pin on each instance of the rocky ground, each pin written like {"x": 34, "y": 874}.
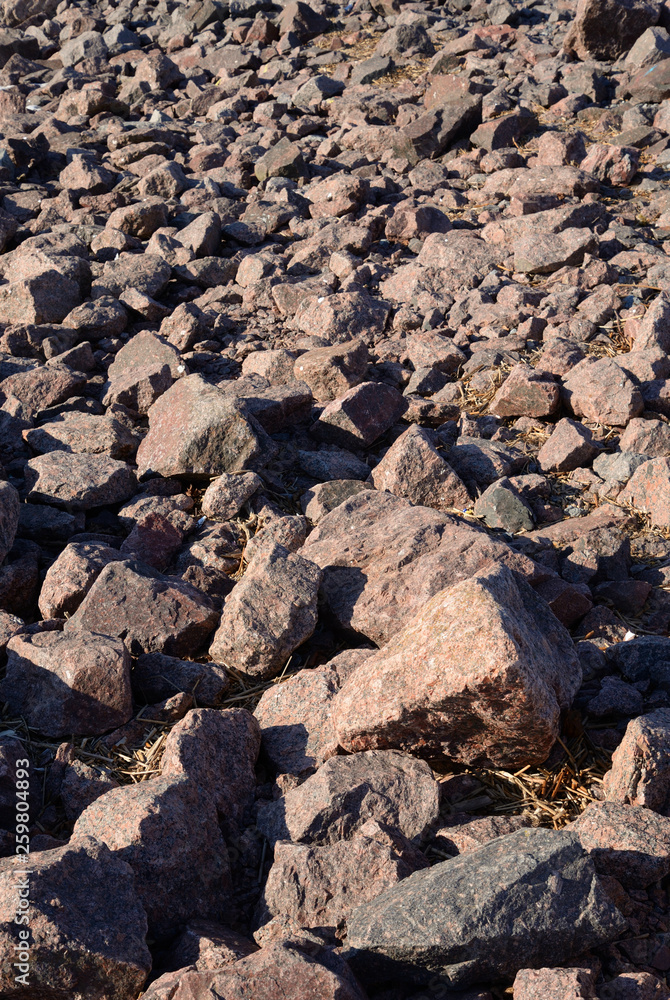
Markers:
{"x": 335, "y": 511}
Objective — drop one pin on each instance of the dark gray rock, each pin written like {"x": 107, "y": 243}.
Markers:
{"x": 530, "y": 898}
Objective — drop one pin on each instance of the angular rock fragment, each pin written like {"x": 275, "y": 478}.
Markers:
{"x": 77, "y": 682}
{"x": 455, "y": 920}
{"x": 166, "y": 830}
{"x": 296, "y": 716}
{"x": 627, "y": 842}
{"x": 361, "y": 415}
{"x": 383, "y": 559}
{"x": 217, "y": 750}
{"x": 71, "y": 576}
{"x": 271, "y": 611}
{"x": 195, "y": 429}
{"x": 414, "y": 469}
{"x": 317, "y": 886}
{"x": 480, "y": 675}
{"x": 640, "y": 774}
{"x": 150, "y": 612}
{"x": 79, "y": 482}
{"x": 87, "y": 924}
{"x": 345, "y": 792}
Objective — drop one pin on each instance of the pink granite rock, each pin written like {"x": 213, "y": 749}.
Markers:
{"x": 87, "y": 925}
{"x": 166, "y": 830}
{"x": 217, "y": 750}
{"x": 384, "y": 559}
{"x": 640, "y": 773}
{"x": 151, "y": 613}
{"x": 270, "y": 612}
{"x": 494, "y": 673}
{"x": 345, "y": 792}
{"x": 437, "y": 486}
{"x": 316, "y": 887}
{"x": 63, "y": 683}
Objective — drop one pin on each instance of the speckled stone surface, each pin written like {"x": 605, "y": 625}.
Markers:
{"x": 166, "y": 829}
{"x": 317, "y": 887}
{"x": 217, "y": 750}
{"x": 64, "y": 683}
{"x": 383, "y": 560}
{"x": 480, "y": 675}
{"x": 629, "y": 842}
{"x": 535, "y": 887}
{"x": 553, "y": 984}
{"x": 86, "y": 920}
{"x": 278, "y": 972}
{"x": 438, "y": 486}
{"x": 150, "y": 612}
{"x": 335, "y": 802}
{"x": 271, "y": 611}
{"x": 208, "y": 945}
{"x": 640, "y": 773}
{"x": 296, "y": 716}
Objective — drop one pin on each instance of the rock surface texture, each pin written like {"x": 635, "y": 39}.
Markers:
{"x": 335, "y": 499}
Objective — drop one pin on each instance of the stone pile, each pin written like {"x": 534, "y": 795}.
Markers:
{"x": 334, "y": 483}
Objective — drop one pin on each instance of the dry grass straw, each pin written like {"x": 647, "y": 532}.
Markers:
{"x": 549, "y": 795}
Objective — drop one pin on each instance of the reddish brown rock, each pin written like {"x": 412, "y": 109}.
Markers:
{"x": 151, "y": 613}
{"x": 140, "y": 388}
{"x": 466, "y": 833}
{"x": 271, "y": 611}
{"x": 78, "y": 482}
{"x": 68, "y": 683}
{"x": 43, "y": 386}
{"x": 153, "y": 540}
{"x": 84, "y": 433}
{"x": 570, "y": 446}
{"x": 384, "y": 559}
{"x": 626, "y": 20}
{"x": 640, "y": 774}
{"x": 497, "y": 671}
{"x": 526, "y": 392}
{"x": 646, "y": 437}
{"x": 198, "y": 430}
{"x": 166, "y": 830}
{"x": 648, "y": 489}
{"x": 332, "y": 371}
{"x": 71, "y": 576}
{"x": 340, "y": 317}
{"x": 82, "y": 785}
{"x": 217, "y": 750}
{"x": 544, "y": 254}
{"x": 224, "y": 497}
{"x": 318, "y": 886}
{"x": 207, "y": 945}
{"x": 360, "y": 416}
{"x": 630, "y": 843}
{"x": 430, "y": 349}
{"x": 87, "y": 925}
{"x": 296, "y": 716}
{"x": 279, "y": 970}
{"x": 437, "y": 486}
{"x": 345, "y": 792}
{"x": 552, "y": 984}
{"x": 615, "y": 165}
{"x": 601, "y": 391}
